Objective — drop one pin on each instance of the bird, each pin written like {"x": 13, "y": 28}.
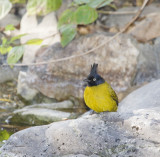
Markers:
{"x": 98, "y": 94}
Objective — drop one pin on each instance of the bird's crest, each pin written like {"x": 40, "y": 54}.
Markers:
{"x": 94, "y": 69}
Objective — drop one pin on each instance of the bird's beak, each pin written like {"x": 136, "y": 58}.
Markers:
{"x": 86, "y": 80}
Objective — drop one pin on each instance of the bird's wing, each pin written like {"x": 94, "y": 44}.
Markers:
{"x": 113, "y": 94}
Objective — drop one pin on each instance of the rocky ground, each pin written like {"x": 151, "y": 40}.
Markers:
{"x": 129, "y": 132}
{"x": 48, "y": 93}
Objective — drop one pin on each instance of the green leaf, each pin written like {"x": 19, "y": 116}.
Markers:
{"x": 80, "y": 2}
{"x": 5, "y": 7}
{"x": 68, "y": 32}
{"x": 9, "y": 28}
{"x": 4, "y": 135}
{"x": 4, "y": 41}
{"x": 34, "y": 42}
{"x": 17, "y": 37}
{"x": 85, "y": 15}
{"x": 4, "y": 49}
{"x": 15, "y": 54}
{"x": 42, "y": 7}
{"x": 99, "y": 3}
{"x": 65, "y": 18}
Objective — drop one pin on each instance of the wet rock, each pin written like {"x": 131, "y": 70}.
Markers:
{"x": 67, "y": 104}
{"x": 117, "y": 60}
{"x": 39, "y": 114}
{"x": 129, "y": 132}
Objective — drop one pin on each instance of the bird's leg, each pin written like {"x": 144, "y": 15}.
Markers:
{"x": 92, "y": 112}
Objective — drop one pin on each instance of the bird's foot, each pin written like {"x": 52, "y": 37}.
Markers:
{"x": 92, "y": 112}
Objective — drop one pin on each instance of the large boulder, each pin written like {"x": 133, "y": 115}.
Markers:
{"x": 117, "y": 59}
{"x": 131, "y": 131}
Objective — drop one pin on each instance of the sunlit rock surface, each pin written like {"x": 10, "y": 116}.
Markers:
{"x": 37, "y": 27}
{"x": 132, "y": 131}
{"x": 59, "y": 80}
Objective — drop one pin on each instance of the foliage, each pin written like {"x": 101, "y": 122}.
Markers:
{"x": 10, "y": 47}
{"x": 17, "y": 1}
{"x": 15, "y": 54}
{"x": 5, "y": 7}
{"x": 42, "y": 7}
{"x": 82, "y": 12}
{"x": 4, "y": 135}
{"x": 68, "y": 32}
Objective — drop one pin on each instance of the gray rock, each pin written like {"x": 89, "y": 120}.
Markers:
{"x": 7, "y": 74}
{"x": 10, "y": 19}
{"x": 23, "y": 89}
{"x": 61, "y": 81}
{"x": 119, "y": 21}
{"x": 129, "y": 132}
{"x": 67, "y": 104}
{"x": 38, "y": 116}
{"x": 148, "y": 28}
{"x": 143, "y": 111}
{"x": 148, "y": 67}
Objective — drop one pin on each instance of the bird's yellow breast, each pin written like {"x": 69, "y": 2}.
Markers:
{"x": 101, "y": 98}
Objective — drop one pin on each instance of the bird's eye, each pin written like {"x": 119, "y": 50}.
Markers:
{"x": 94, "y": 79}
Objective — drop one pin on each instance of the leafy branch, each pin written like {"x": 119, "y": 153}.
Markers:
{"x": 81, "y": 12}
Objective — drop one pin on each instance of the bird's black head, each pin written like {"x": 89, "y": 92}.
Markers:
{"x": 94, "y": 78}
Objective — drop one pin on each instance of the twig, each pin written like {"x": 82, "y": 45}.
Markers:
{"x": 136, "y": 17}
{"x": 91, "y": 50}
{"x": 117, "y": 13}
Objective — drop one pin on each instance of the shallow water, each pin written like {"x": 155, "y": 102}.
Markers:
{"x": 10, "y": 101}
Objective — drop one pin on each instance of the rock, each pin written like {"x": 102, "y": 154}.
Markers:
{"x": 148, "y": 67}
{"x": 39, "y": 114}
{"x": 117, "y": 22}
{"x": 129, "y": 132}
{"x": 67, "y": 104}
{"x": 143, "y": 111}
{"x": 116, "y": 61}
{"x": 23, "y": 89}
{"x": 7, "y": 74}
{"x": 46, "y": 29}
{"x": 10, "y": 19}
{"x": 148, "y": 28}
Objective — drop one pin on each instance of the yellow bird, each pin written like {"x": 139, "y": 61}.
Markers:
{"x": 99, "y": 95}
